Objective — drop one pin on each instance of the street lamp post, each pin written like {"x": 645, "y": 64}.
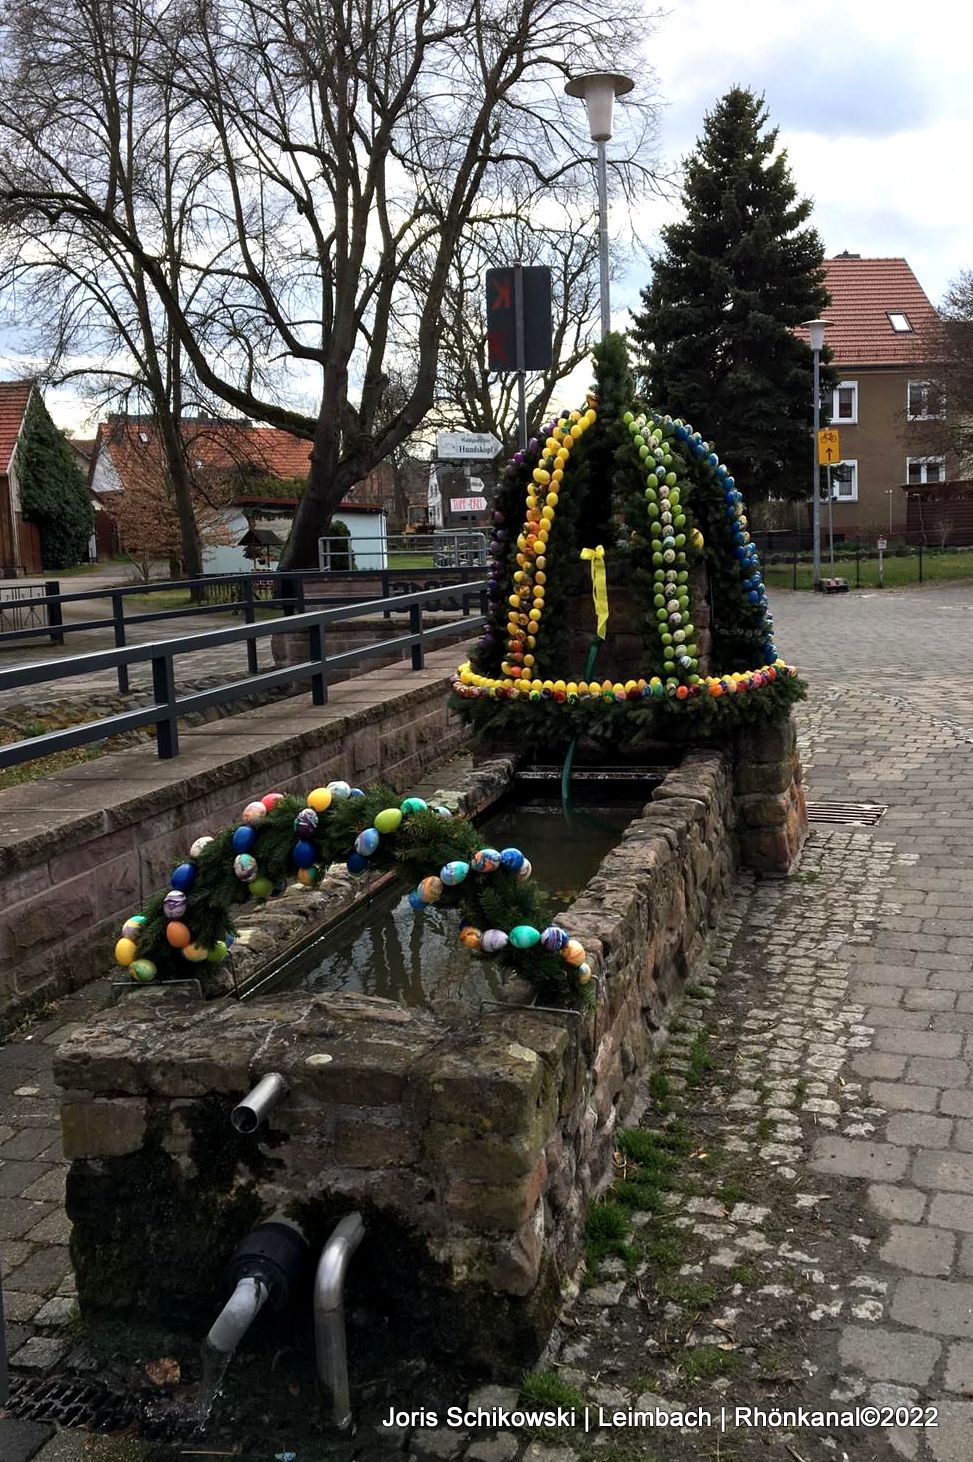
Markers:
{"x": 816, "y": 329}
{"x": 598, "y": 90}
{"x": 890, "y": 491}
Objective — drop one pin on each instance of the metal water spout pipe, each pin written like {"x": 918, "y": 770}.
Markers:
{"x": 266, "y": 1265}
{"x": 329, "y": 1315}
{"x": 237, "y": 1315}
{"x": 258, "y": 1103}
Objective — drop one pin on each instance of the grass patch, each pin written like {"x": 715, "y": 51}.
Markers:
{"x": 765, "y": 1128}
{"x": 697, "y": 992}
{"x": 731, "y": 1193}
{"x": 692, "y": 1294}
{"x": 606, "y": 1233}
{"x": 743, "y": 1274}
{"x": 660, "y": 1091}
{"x": 708, "y": 1362}
{"x": 701, "y": 1063}
{"x": 545, "y": 1388}
{"x": 667, "y": 1251}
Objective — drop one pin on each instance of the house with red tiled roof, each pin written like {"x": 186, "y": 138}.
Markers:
{"x": 20, "y": 544}
{"x": 254, "y": 473}
{"x": 882, "y": 332}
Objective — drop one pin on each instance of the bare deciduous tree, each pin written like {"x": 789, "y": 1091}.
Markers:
{"x": 344, "y": 150}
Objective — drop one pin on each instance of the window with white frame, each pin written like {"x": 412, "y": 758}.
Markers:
{"x": 899, "y": 322}
{"x": 925, "y": 401}
{"x": 844, "y": 404}
{"x": 844, "y": 482}
{"x": 925, "y": 470}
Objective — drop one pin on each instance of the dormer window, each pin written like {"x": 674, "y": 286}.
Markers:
{"x": 143, "y": 437}
{"x": 899, "y": 322}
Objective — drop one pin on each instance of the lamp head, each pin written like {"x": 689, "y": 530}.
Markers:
{"x": 816, "y": 329}
{"x": 598, "y": 90}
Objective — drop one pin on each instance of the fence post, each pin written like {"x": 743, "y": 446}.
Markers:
{"x": 118, "y": 625}
{"x": 4, "y": 1374}
{"x": 164, "y": 691}
{"x": 858, "y": 567}
{"x": 920, "y": 563}
{"x": 386, "y": 590}
{"x": 249, "y": 617}
{"x": 55, "y": 618}
{"x": 795, "y": 567}
{"x": 415, "y": 627}
{"x": 315, "y": 653}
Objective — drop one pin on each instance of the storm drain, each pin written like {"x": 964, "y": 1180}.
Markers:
{"x": 846, "y": 814}
{"x": 88, "y": 1405}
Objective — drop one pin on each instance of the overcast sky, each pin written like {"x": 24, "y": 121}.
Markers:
{"x": 874, "y": 101}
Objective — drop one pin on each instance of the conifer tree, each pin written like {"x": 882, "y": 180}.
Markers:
{"x": 715, "y": 340}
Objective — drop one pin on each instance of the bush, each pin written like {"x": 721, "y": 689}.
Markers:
{"x": 53, "y": 492}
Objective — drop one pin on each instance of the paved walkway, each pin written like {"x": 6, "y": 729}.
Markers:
{"x": 806, "y": 1234}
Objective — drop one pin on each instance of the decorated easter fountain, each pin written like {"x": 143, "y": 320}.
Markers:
{"x": 626, "y": 608}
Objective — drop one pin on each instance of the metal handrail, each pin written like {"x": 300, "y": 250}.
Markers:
{"x": 167, "y": 707}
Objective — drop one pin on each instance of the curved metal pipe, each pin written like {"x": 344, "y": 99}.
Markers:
{"x": 248, "y": 1114}
{"x": 237, "y": 1315}
{"x": 329, "y": 1315}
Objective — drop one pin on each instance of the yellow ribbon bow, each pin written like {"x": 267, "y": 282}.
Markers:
{"x": 599, "y": 587}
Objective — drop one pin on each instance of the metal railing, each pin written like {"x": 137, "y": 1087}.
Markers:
{"x": 246, "y": 594}
{"x": 168, "y": 707}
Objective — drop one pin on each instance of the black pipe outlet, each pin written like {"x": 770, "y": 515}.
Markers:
{"x": 276, "y": 1253}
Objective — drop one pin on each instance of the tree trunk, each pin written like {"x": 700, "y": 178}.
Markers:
{"x": 178, "y": 472}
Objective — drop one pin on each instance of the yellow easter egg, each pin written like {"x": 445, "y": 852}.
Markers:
{"x": 319, "y": 800}
{"x": 125, "y": 951}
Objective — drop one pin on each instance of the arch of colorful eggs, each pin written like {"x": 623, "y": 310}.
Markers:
{"x": 674, "y": 468}
{"x": 242, "y": 845}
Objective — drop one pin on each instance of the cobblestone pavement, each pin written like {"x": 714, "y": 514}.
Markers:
{"x": 794, "y": 1225}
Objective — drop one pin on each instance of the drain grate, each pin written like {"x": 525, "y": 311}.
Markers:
{"x": 846, "y": 814}
{"x": 92, "y": 1406}
{"x": 71, "y": 1403}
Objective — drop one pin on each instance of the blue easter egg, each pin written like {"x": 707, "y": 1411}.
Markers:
{"x": 367, "y": 841}
{"x": 243, "y": 839}
{"x": 416, "y": 901}
{"x": 356, "y": 863}
{"x": 512, "y": 858}
{"x": 183, "y": 877}
{"x": 303, "y": 854}
{"x": 554, "y": 938}
{"x": 453, "y": 873}
{"x": 355, "y": 792}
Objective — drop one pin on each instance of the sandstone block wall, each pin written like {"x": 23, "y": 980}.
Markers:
{"x": 472, "y": 1144}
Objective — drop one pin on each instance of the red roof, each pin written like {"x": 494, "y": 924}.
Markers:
{"x": 864, "y": 294}
{"x": 14, "y": 396}
{"x": 135, "y": 449}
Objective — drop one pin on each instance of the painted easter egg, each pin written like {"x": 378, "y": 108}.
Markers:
{"x": 218, "y": 953}
{"x": 133, "y": 927}
{"x": 199, "y": 845}
{"x": 414, "y": 804}
{"x": 260, "y": 887}
{"x": 470, "y": 938}
{"x": 388, "y": 820}
{"x": 174, "y": 904}
{"x": 245, "y": 867}
{"x": 306, "y": 822}
{"x": 493, "y": 940}
{"x": 243, "y": 839}
{"x": 183, "y": 877}
{"x": 320, "y": 799}
{"x": 512, "y": 858}
{"x": 253, "y": 812}
{"x": 177, "y": 935}
{"x": 142, "y": 970}
{"x": 430, "y": 889}
{"x": 195, "y": 953}
{"x": 271, "y": 799}
{"x": 125, "y": 951}
{"x": 303, "y": 854}
{"x": 526, "y": 869}
{"x": 356, "y": 863}
{"x": 554, "y": 938}
{"x": 453, "y": 873}
{"x": 524, "y": 936}
{"x": 485, "y": 860}
{"x": 573, "y": 952}
{"x": 367, "y": 841}
{"x": 339, "y": 791}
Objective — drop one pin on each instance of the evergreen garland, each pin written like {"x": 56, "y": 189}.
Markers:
{"x": 208, "y": 889}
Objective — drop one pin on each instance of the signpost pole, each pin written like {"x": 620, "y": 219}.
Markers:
{"x": 520, "y": 347}
{"x": 830, "y": 518}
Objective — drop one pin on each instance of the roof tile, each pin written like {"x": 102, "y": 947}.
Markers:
{"x": 14, "y": 396}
